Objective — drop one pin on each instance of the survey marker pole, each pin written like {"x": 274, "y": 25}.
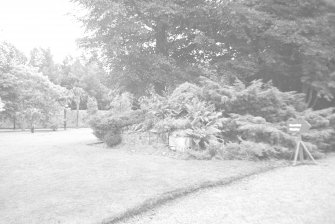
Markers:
{"x": 297, "y": 127}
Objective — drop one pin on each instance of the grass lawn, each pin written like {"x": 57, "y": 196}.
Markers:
{"x": 56, "y": 177}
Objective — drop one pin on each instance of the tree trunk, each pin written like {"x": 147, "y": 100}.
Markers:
{"x": 161, "y": 43}
{"x": 32, "y": 127}
{"x": 14, "y": 122}
{"x": 77, "y": 119}
{"x": 64, "y": 118}
{"x": 309, "y": 96}
{"x": 161, "y": 37}
{"x": 314, "y": 102}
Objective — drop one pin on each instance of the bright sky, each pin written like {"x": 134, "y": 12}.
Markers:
{"x": 41, "y": 23}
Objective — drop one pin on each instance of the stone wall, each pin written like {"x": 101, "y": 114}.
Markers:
{"x": 174, "y": 140}
{"x": 144, "y": 138}
{"x": 179, "y": 142}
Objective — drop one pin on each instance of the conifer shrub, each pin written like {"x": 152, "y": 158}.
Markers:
{"x": 108, "y": 127}
{"x": 322, "y": 133}
{"x": 102, "y": 125}
{"x": 112, "y": 138}
{"x": 257, "y": 99}
{"x": 255, "y": 129}
{"x": 249, "y": 150}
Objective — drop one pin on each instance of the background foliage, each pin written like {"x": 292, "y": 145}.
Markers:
{"x": 165, "y": 43}
{"x": 230, "y": 121}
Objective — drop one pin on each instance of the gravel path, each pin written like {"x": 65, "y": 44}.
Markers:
{"x": 303, "y": 194}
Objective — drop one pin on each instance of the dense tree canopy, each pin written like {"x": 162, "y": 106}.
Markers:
{"x": 164, "y": 42}
{"x": 87, "y": 74}
{"x": 43, "y": 60}
{"x": 10, "y": 56}
{"x": 29, "y": 90}
{"x": 293, "y": 45}
{"x": 83, "y": 72}
{"x": 29, "y": 95}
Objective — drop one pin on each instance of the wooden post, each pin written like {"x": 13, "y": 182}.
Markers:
{"x": 77, "y": 117}
{"x": 168, "y": 139}
{"x": 32, "y": 128}
{"x": 308, "y": 152}
{"x": 300, "y": 151}
{"x": 301, "y": 154}
{"x": 296, "y": 154}
{"x": 65, "y": 118}
{"x": 14, "y": 122}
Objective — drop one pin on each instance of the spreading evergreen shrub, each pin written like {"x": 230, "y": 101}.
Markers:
{"x": 108, "y": 127}
{"x": 255, "y": 129}
{"x": 112, "y": 138}
{"x": 322, "y": 133}
{"x": 102, "y": 124}
{"x": 257, "y": 99}
{"x": 249, "y": 150}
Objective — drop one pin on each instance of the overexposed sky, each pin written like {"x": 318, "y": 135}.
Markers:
{"x": 41, "y": 23}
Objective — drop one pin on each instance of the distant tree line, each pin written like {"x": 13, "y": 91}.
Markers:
{"x": 35, "y": 88}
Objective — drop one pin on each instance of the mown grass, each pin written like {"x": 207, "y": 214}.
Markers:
{"x": 57, "y": 177}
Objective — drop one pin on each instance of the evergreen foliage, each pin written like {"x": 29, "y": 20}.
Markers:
{"x": 323, "y": 128}
{"x": 112, "y": 138}
{"x": 236, "y": 121}
{"x": 109, "y": 127}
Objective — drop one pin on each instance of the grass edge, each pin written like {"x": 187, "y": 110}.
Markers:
{"x": 166, "y": 197}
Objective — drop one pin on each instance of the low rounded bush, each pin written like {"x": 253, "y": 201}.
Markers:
{"x": 112, "y": 138}
{"x": 108, "y": 127}
{"x": 102, "y": 126}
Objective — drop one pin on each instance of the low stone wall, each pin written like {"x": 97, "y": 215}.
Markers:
{"x": 179, "y": 142}
{"x": 149, "y": 138}
{"x": 174, "y": 140}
